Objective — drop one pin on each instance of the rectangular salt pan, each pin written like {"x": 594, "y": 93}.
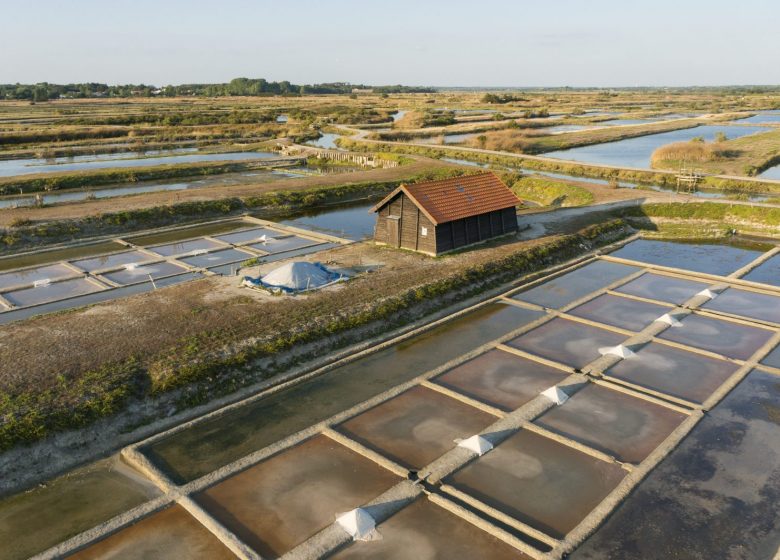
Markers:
{"x": 543, "y": 483}
{"x": 37, "y": 274}
{"x": 217, "y": 258}
{"x": 501, "y": 379}
{"x": 662, "y": 288}
{"x": 170, "y": 533}
{"x": 274, "y": 245}
{"x": 95, "y": 297}
{"x": 675, "y": 372}
{"x": 184, "y": 247}
{"x": 574, "y": 285}
{"x": 621, "y": 425}
{"x": 733, "y": 340}
{"x": 620, "y": 312}
{"x": 720, "y": 259}
{"x": 753, "y": 305}
{"x": 567, "y": 342}
{"x": 417, "y": 426}
{"x": 247, "y": 235}
{"x": 767, "y": 272}
{"x": 116, "y": 260}
{"x": 306, "y": 486}
{"x": 51, "y": 292}
{"x": 431, "y": 532}
{"x": 133, "y": 275}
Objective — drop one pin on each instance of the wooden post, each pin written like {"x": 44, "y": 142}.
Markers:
{"x": 417, "y": 228}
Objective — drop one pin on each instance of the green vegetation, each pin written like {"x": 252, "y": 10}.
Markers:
{"x": 425, "y": 118}
{"x": 210, "y": 363}
{"x": 549, "y": 192}
{"x": 136, "y": 135}
{"x": 340, "y": 114}
{"x": 96, "y": 394}
{"x": 696, "y": 218}
{"x": 113, "y": 176}
{"x": 438, "y": 118}
{"x": 501, "y": 98}
{"x": 64, "y": 135}
{"x": 237, "y": 87}
{"x": 178, "y": 118}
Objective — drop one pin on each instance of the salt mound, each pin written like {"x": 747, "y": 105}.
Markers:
{"x": 297, "y": 277}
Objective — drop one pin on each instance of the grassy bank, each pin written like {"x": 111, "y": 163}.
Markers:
{"x": 223, "y": 357}
{"x": 103, "y": 177}
{"x": 694, "y": 219}
{"x": 549, "y": 192}
{"x": 67, "y": 134}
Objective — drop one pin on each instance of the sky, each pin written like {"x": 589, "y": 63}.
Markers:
{"x": 485, "y": 43}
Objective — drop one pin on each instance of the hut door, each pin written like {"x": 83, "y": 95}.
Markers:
{"x": 393, "y": 231}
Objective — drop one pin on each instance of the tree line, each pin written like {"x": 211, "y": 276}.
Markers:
{"x": 45, "y": 91}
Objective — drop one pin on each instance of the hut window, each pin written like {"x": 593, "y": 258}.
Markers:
{"x": 424, "y": 231}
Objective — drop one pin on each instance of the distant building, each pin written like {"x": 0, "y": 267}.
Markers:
{"x": 435, "y": 217}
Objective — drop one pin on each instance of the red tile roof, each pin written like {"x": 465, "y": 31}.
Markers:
{"x": 447, "y": 200}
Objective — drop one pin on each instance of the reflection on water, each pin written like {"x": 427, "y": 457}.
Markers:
{"x": 326, "y": 140}
{"x": 9, "y": 168}
{"x": 763, "y": 117}
{"x": 346, "y": 221}
{"x": 566, "y": 128}
{"x": 59, "y": 255}
{"x": 721, "y": 257}
{"x": 636, "y": 152}
{"x": 771, "y": 173}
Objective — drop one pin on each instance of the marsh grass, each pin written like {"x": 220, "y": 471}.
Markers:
{"x": 549, "y": 192}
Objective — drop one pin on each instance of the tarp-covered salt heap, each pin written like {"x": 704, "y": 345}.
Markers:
{"x": 295, "y": 277}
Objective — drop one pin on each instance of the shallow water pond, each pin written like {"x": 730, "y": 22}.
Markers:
{"x": 636, "y": 152}
{"x": 712, "y": 257}
{"x": 9, "y": 168}
{"x": 49, "y": 514}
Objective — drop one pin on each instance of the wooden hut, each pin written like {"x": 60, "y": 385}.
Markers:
{"x": 439, "y": 216}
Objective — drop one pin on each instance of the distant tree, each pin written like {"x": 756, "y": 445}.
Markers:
{"x": 482, "y": 139}
{"x": 41, "y": 93}
{"x": 721, "y": 137}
